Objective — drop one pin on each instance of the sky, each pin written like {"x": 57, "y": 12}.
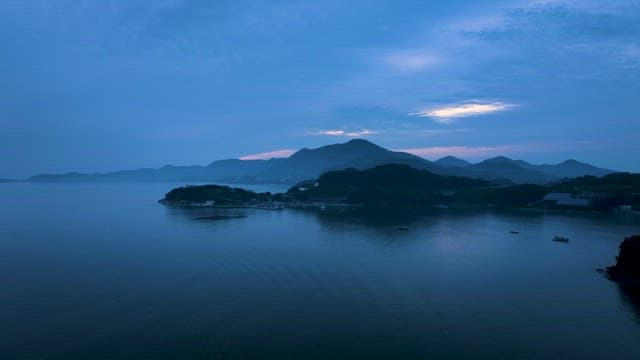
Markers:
{"x": 96, "y": 86}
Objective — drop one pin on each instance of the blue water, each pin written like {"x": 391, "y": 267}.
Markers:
{"x": 102, "y": 271}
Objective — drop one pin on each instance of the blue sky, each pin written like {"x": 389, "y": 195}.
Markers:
{"x": 105, "y": 85}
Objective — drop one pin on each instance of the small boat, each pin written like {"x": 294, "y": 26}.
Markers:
{"x": 558, "y": 238}
{"x": 402, "y": 228}
{"x": 514, "y": 232}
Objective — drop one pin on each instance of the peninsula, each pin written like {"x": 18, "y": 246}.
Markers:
{"x": 403, "y": 187}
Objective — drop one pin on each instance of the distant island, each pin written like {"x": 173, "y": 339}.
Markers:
{"x": 357, "y": 154}
{"x": 400, "y": 186}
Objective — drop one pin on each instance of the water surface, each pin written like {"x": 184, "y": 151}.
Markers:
{"x": 102, "y": 271}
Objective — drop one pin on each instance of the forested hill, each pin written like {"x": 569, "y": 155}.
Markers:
{"x": 403, "y": 187}
{"x": 393, "y": 185}
{"x": 394, "y": 176}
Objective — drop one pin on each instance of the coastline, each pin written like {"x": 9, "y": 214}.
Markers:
{"x": 347, "y": 207}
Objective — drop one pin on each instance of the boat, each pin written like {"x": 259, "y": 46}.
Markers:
{"x": 558, "y": 238}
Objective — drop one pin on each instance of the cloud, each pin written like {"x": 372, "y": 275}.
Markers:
{"x": 282, "y": 153}
{"x": 351, "y": 134}
{"x": 410, "y": 60}
{"x": 478, "y": 23}
{"x": 446, "y": 114}
{"x": 465, "y": 151}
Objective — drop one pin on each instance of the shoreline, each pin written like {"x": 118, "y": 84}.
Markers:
{"x": 360, "y": 206}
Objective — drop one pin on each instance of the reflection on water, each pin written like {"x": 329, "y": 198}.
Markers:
{"x": 630, "y": 296}
{"x": 202, "y": 214}
{"x": 102, "y": 271}
{"x": 395, "y": 226}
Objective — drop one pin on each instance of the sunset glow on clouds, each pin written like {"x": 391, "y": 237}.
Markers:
{"x": 448, "y": 113}
{"x": 343, "y": 133}
{"x": 283, "y": 153}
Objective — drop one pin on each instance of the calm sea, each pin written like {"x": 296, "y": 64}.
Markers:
{"x": 102, "y": 271}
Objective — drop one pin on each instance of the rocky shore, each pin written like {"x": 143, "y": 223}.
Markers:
{"x": 627, "y": 267}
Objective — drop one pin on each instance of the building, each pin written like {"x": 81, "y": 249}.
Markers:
{"x": 565, "y": 200}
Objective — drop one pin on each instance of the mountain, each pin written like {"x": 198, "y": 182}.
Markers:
{"x": 517, "y": 171}
{"x": 573, "y": 168}
{"x": 393, "y": 188}
{"x": 235, "y": 170}
{"x": 360, "y": 154}
{"x": 450, "y": 161}
{"x": 165, "y": 173}
{"x": 303, "y": 165}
